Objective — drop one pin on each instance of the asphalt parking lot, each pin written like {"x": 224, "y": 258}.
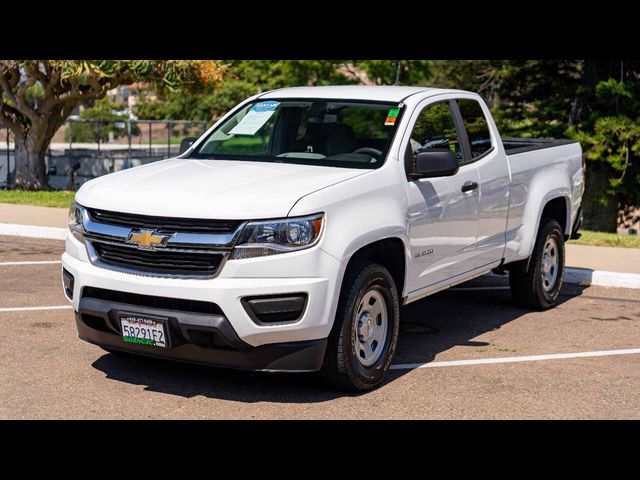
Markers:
{"x": 450, "y": 360}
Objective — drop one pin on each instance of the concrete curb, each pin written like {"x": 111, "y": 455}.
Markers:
{"x": 586, "y": 276}
{"x": 580, "y": 276}
{"x": 33, "y": 231}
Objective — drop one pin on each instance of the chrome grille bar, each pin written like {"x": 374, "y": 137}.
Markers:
{"x": 135, "y": 220}
{"x": 224, "y": 241}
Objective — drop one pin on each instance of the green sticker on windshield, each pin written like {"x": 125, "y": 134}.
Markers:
{"x": 392, "y": 116}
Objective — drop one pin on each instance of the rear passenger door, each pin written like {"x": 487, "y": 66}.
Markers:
{"x": 443, "y": 219}
{"x": 493, "y": 171}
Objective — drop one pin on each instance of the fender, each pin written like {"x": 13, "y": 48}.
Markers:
{"x": 542, "y": 188}
{"x": 355, "y": 218}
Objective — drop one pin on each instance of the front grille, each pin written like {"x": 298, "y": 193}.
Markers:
{"x": 192, "y": 248}
{"x": 162, "y": 261}
{"x": 164, "y": 224}
{"x": 152, "y": 301}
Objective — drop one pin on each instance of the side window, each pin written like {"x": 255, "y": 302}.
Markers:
{"x": 435, "y": 128}
{"x": 476, "y": 126}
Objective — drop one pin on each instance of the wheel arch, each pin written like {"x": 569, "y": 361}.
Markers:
{"x": 389, "y": 252}
{"x": 558, "y": 208}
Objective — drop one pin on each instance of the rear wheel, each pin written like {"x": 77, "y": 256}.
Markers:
{"x": 365, "y": 332}
{"x": 540, "y": 284}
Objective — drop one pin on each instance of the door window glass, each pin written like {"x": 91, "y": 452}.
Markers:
{"x": 435, "y": 128}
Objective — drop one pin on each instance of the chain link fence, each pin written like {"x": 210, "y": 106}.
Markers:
{"x": 83, "y": 149}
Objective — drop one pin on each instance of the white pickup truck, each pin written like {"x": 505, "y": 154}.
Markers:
{"x": 287, "y": 237}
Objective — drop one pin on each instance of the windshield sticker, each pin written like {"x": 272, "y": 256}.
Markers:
{"x": 265, "y": 106}
{"x": 255, "y": 118}
{"x": 392, "y": 116}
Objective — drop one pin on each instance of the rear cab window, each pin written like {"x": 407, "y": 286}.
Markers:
{"x": 476, "y": 126}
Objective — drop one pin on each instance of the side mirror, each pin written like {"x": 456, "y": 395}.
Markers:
{"x": 186, "y": 143}
{"x": 435, "y": 162}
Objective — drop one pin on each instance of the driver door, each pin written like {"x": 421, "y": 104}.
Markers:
{"x": 443, "y": 219}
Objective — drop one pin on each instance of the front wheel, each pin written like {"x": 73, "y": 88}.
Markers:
{"x": 365, "y": 333}
{"x": 539, "y": 285}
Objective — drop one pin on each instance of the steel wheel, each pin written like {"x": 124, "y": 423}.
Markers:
{"x": 370, "y": 327}
{"x": 364, "y": 335}
{"x": 549, "y": 265}
{"x": 536, "y": 282}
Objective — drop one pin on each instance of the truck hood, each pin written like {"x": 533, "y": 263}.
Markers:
{"x": 216, "y": 189}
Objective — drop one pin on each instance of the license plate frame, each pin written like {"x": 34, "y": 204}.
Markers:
{"x": 147, "y": 324}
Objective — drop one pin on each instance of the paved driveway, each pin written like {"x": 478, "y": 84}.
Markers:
{"x": 47, "y": 372}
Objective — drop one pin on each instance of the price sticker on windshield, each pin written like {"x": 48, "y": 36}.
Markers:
{"x": 392, "y": 116}
{"x": 255, "y": 118}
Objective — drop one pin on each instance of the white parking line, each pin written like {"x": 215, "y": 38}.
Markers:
{"x": 527, "y": 358}
{"x": 461, "y": 289}
{"x": 35, "y": 309}
{"x": 32, "y": 262}
{"x": 449, "y": 363}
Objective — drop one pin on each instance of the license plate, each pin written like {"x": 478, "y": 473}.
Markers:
{"x": 143, "y": 331}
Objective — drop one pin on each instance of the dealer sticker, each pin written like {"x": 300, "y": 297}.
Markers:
{"x": 255, "y": 119}
{"x": 265, "y": 106}
{"x": 392, "y": 116}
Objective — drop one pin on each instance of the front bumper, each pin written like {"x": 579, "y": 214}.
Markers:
{"x": 296, "y": 346}
{"x": 197, "y": 338}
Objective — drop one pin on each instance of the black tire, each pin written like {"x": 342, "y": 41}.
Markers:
{"x": 342, "y": 368}
{"x": 527, "y": 284}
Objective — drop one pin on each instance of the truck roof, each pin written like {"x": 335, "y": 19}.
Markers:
{"x": 351, "y": 92}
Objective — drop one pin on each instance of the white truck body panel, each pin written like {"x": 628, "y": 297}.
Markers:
{"x": 210, "y": 189}
{"x": 537, "y": 177}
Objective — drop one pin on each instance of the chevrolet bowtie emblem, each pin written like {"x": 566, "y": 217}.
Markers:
{"x": 148, "y": 239}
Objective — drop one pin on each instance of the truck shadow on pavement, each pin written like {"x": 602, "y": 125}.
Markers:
{"x": 428, "y": 327}
{"x": 455, "y": 318}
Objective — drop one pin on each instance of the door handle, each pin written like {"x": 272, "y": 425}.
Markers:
{"x": 469, "y": 187}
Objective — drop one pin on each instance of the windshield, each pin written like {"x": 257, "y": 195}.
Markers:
{"x": 317, "y": 132}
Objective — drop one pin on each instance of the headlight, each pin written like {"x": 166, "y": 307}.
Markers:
{"x": 75, "y": 221}
{"x": 278, "y": 236}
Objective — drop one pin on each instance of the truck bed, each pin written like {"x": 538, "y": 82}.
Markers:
{"x": 513, "y": 146}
